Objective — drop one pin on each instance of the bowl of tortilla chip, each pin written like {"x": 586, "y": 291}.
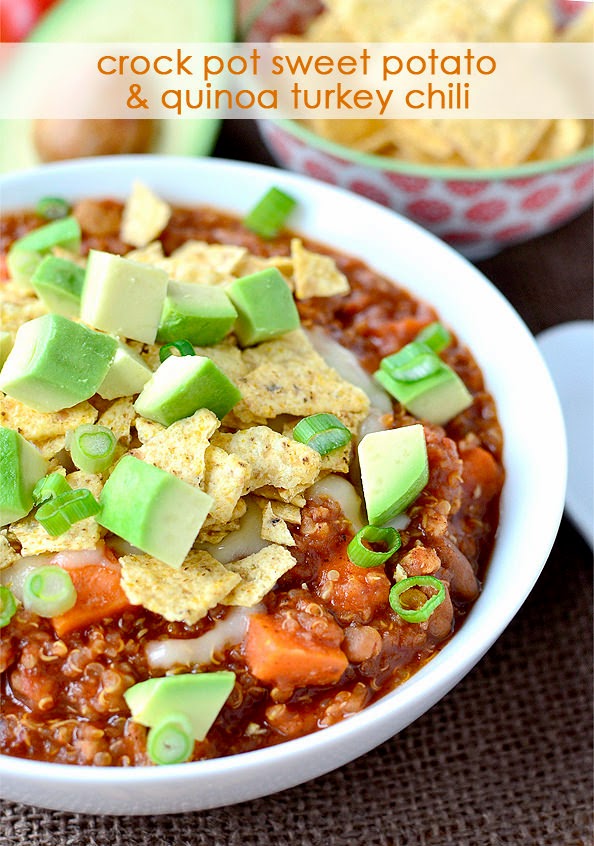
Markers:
{"x": 480, "y": 185}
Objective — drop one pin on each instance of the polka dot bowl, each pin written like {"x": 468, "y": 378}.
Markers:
{"x": 479, "y": 212}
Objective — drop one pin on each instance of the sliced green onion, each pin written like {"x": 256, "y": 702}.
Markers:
{"x": 322, "y": 432}
{"x": 48, "y": 591}
{"x": 58, "y": 514}
{"x": 183, "y": 347}
{"x": 52, "y": 208}
{"x": 412, "y": 363}
{"x": 435, "y": 336}
{"x": 417, "y": 615}
{"x": 8, "y": 606}
{"x": 92, "y": 447}
{"x": 49, "y": 487}
{"x": 171, "y": 741}
{"x": 268, "y": 217}
{"x": 362, "y": 556}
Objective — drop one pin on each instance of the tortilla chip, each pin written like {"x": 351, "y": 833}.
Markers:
{"x": 253, "y": 264}
{"x": 227, "y": 357}
{"x": 564, "y": 137}
{"x": 52, "y": 447}
{"x": 425, "y": 137}
{"x": 347, "y": 132}
{"x": 223, "y": 258}
{"x": 151, "y": 254}
{"x": 494, "y": 143}
{"x": 7, "y": 554}
{"x": 85, "y": 534}
{"x": 179, "y": 449}
{"x": 259, "y": 573}
{"x": 149, "y": 353}
{"x": 147, "y": 429}
{"x": 315, "y": 275}
{"x": 288, "y": 513}
{"x": 14, "y": 314}
{"x": 274, "y": 459}
{"x": 274, "y": 528}
{"x": 39, "y": 426}
{"x": 291, "y": 497}
{"x": 118, "y": 417}
{"x": 179, "y": 595}
{"x": 145, "y": 216}
{"x": 225, "y": 479}
{"x": 287, "y": 376}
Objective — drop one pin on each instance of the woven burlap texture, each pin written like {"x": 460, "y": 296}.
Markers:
{"x": 503, "y": 760}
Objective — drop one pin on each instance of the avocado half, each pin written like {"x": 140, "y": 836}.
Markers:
{"x": 112, "y": 21}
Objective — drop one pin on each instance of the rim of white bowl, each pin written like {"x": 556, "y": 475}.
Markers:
{"x": 453, "y": 174}
{"x": 478, "y": 632}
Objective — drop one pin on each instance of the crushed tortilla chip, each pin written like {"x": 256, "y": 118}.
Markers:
{"x": 287, "y": 376}
{"x": 225, "y": 479}
{"x": 118, "y": 417}
{"x": 85, "y": 534}
{"x": 494, "y": 143}
{"x": 7, "y": 554}
{"x": 315, "y": 275}
{"x": 39, "y": 426}
{"x": 287, "y": 512}
{"x": 290, "y": 496}
{"x": 179, "y": 595}
{"x": 151, "y": 254}
{"x": 179, "y": 449}
{"x": 149, "y": 353}
{"x": 145, "y": 216}
{"x": 14, "y": 314}
{"x": 259, "y": 573}
{"x": 203, "y": 263}
{"x": 253, "y": 264}
{"x": 147, "y": 429}
{"x": 227, "y": 357}
{"x": 274, "y": 459}
{"x": 274, "y": 528}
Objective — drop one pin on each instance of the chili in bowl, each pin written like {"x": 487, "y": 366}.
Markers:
{"x": 255, "y": 526}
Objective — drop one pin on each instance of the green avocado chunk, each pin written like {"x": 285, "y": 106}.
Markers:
{"x": 436, "y": 398}
{"x": 200, "y": 314}
{"x": 21, "y": 467}
{"x": 123, "y": 297}
{"x": 127, "y": 374}
{"x": 25, "y": 255}
{"x": 394, "y": 471}
{"x": 56, "y": 363}
{"x": 5, "y": 346}
{"x": 265, "y": 306}
{"x": 200, "y": 696}
{"x": 183, "y": 384}
{"x": 153, "y": 510}
{"x": 58, "y": 284}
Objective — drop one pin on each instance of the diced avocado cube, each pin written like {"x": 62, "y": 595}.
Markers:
{"x": 265, "y": 306}
{"x": 58, "y": 284}
{"x": 198, "y": 695}
{"x": 437, "y": 398}
{"x": 5, "y": 346}
{"x": 123, "y": 297}
{"x": 200, "y": 314}
{"x": 183, "y": 384}
{"x": 153, "y": 510}
{"x": 56, "y": 363}
{"x": 25, "y": 254}
{"x": 21, "y": 467}
{"x": 127, "y": 374}
{"x": 394, "y": 471}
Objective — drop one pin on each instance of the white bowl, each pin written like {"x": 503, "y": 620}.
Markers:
{"x": 531, "y": 508}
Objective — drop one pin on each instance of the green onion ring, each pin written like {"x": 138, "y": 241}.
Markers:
{"x": 269, "y": 215}
{"x": 435, "y": 336}
{"x": 413, "y": 362}
{"x": 417, "y": 615}
{"x": 8, "y": 606}
{"x": 92, "y": 447}
{"x": 322, "y": 432}
{"x": 360, "y": 555}
{"x": 49, "y": 487}
{"x": 58, "y": 514}
{"x": 182, "y": 346}
{"x": 49, "y": 591}
{"x": 171, "y": 740}
{"x": 52, "y": 208}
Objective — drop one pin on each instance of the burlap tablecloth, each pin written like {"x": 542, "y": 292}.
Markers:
{"x": 505, "y": 759}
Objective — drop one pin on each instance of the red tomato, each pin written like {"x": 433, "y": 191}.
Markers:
{"x": 18, "y": 17}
